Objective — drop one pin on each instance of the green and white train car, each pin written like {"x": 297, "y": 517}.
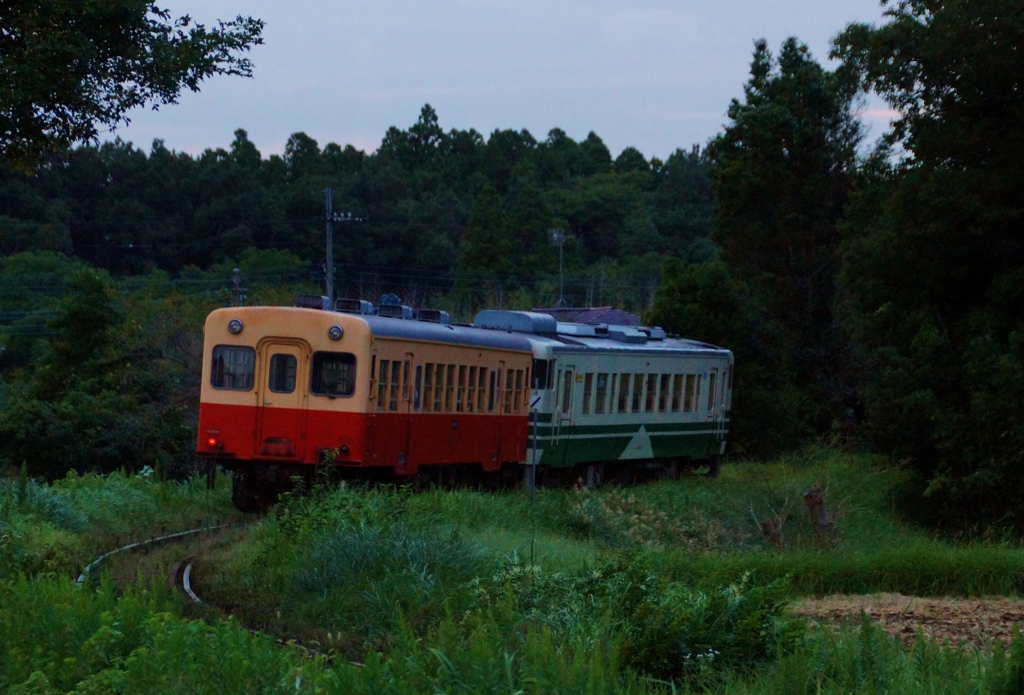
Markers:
{"x": 621, "y": 400}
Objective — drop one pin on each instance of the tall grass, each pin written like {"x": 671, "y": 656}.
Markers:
{"x": 920, "y": 568}
{"x": 664, "y": 587}
{"x": 867, "y": 660}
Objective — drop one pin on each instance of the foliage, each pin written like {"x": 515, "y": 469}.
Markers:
{"x": 667, "y": 631}
{"x": 68, "y": 69}
{"x": 93, "y": 402}
{"x": 782, "y": 171}
{"x": 933, "y": 255}
{"x": 58, "y": 527}
{"x": 707, "y": 302}
{"x": 438, "y": 209}
{"x": 56, "y": 637}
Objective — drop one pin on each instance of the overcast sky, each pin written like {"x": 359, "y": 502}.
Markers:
{"x": 653, "y": 74}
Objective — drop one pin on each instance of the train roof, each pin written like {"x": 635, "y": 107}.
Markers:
{"x": 527, "y": 331}
{"x": 409, "y": 329}
{"x": 505, "y": 339}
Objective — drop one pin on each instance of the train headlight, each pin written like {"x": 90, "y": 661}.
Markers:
{"x": 335, "y": 332}
{"x": 235, "y": 326}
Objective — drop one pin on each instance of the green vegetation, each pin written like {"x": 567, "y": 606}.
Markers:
{"x": 668, "y": 585}
{"x": 68, "y": 70}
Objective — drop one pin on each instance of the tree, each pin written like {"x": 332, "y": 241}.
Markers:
{"x": 933, "y": 262}
{"x": 782, "y": 173}
{"x": 705, "y": 302}
{"x": 69, "y": 68}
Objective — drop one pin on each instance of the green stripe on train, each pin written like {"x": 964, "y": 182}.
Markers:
{"x": 638, "y": 444}
{"x": 546, "y": 431}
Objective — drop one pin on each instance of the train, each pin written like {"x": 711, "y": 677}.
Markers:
{"x": 390, "y": 393}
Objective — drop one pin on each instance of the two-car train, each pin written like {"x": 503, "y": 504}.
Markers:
{"x": 287, "y": 388}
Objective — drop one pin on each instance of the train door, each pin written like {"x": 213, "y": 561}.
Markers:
{"x": 402, "y": 426}
{"x": 389, "y": 408}
{"x": 495, "y": 406}
{"x": 281, "y": 399}
{"x": 716, "y": 397}
{"x": 562, "y": 418}
{"x": 372, "y": 411}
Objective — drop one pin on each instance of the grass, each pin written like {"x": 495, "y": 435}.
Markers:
{"x": 664, "y": 587}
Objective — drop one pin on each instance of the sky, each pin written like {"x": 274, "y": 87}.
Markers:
{"x": 653, "y": 74}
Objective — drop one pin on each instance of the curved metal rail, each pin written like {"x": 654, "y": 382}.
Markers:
{"x": 159, "y": 539}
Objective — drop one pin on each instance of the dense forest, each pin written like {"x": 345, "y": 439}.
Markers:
{"x": 435, "y": 210}
{"x": 872, "y": 296}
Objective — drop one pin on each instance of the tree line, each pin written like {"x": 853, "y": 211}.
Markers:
{"x": 436, "y": 210}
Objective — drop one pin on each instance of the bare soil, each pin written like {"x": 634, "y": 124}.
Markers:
{"x": 977, "y": 622}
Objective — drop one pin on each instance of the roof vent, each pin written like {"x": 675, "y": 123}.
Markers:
{"x": 396, "y": 311}
{"x": 434, "y": 316}
{"x": 354, "y": 306}
{"x": 518, "y": 321}
{"x": 313, "y": 301}
{"x": 627, "y": 334}
{"x": 581, "y": 330}
{"x": 654, "y": 332}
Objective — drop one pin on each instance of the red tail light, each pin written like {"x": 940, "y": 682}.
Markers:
{"x": 212, "y": 442}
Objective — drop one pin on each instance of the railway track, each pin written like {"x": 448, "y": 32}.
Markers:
{"x": 181, "y": 573}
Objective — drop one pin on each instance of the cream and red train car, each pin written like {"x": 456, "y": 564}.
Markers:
{"x": 286, "y": 388}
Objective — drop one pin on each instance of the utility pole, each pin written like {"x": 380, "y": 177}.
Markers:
{"x": 557, "y": 237}
{"x": 329, "y": 268}
{"x": 236, "y": 287}
{"x": 333, "y": 217}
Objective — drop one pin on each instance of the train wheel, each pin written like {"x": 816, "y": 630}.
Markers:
{"x": 714, "y": 466}
{"x": 245, "y": 493}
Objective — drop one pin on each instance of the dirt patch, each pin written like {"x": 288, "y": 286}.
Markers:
{"x": 971, "y": 621}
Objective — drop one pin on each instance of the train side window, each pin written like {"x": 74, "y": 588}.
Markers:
{"x": 416, "y": 387}
{"x": 490, "y": 394}
{"x": 677, "y": 392}
{"x": 601, "y": 393}
{"x": 623, "y": 393}
{"x": 711, "y": 392}
{"x": 638, "y": 392}
{"x": 481, "y": 389}
{"x": 612, "y": 383}
{"x": 588, "y": 391}
{"x": 382, "y": 383}
{"x": 471, "y": 391}
{"x": 334, "y": 374}
{"x": 428, "y": 387}
{"x": 540, "y": 373}
{"x": 396, "y": 373}
{"x": 696, "y": 395}
{"x": 449, "y": 389}
{"x": 691, "y": 391}
{"x": 282, "y": 373}
{"x": 460, "y": 396}
{"x": 520, "y": 390}
{"x": 405, "y": 379}
{"x": 515, "y": 383}
{"x": 558, "y": 384}
{"x": 526, "y": 388}
{"x": 438, "y": 387}
{"x": 567, "y": 392}
{"x": 551, "y": 374}
{"x": 652, "y": 393}
{"x": 234, "y": 367}
{"x": 663, "y": 394}
{"x": 509, "y": 377}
